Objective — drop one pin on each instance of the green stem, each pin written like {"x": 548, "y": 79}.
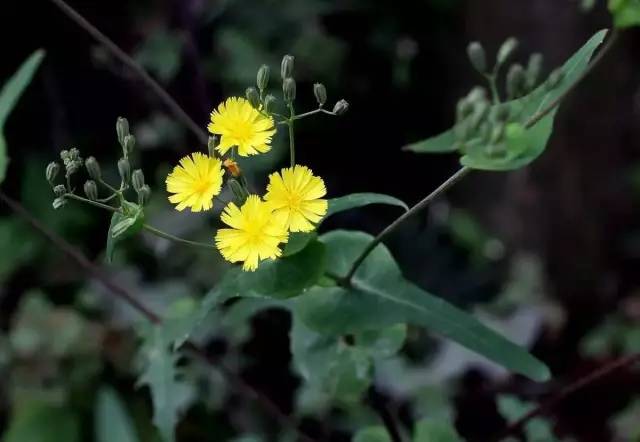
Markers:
{"x": 176, "y": 239}
{"x": 73, "y": 196}
{"x": 292, "y": 143}
{"x": 493, "y": 86}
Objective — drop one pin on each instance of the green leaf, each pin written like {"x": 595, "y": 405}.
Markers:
{"x": 282, "y": 278}
{"x": 160, "y": 374}
{"x": 443, "y": 143}
{"x": 626, "y": 13}
{"x": 9, "y": 96}
{"x": 382, "y": 343}
{"x": 536, "y": 430}
{"x": 112, "y": 422}
{"x": 520, "y": 149}
{"x": 381, "y": 297}
{"x": 36, "y": 421}
{"x": 297, "y": 242}
{"x": 372, "y": 434}
{"x": 123, "y": 226}
{"x": 433, "y": 430}
{"x": 355, "y": 200}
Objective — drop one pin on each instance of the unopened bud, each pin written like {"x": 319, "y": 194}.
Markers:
{"x": 253, "y": 97}
{"x": 59, "y": 190}
{"x": 59, "y": 202}
{"x": 480, "y": 112}
{"x": 477, "y": 94}
{"x": 321, "y": 93}
{"x": 534, "y": 67}
{"x": 516, "y": 81}
{"x": 232, "y": 167}
{"x": 238, "y": 191}
{"x": 124, "y": 169}
{"x": 269, "y": 103}
{"x": 289, "y": 89}
{"x": 52, "y": 171}
{"x": 262, "y": 79}
{"x": 129, "y": 144}
{"x": 144, "y": 194}
{"x": 286, "y": 68}
{"x": 212, "y": 144}
{"x": 137, "y": 180}
{"x": 122, "y": 129}
{"x": 506, "y": 50}
{"x": 477, "y": 56}
{"x": 93, "y": 168}
{"x": 555, "y": 78}
{"x": 341, "y": 107}
{"x": 464, "y": 109}
{"x": 91, "y": 190}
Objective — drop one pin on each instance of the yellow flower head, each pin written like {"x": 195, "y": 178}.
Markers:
{"x": 239, "y": 124}
{"x": 195, "y": 181}
{"x": 255, "y": 234}
{"x": 296, "y": 194}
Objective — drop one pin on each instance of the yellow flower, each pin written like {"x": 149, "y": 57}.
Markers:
{"x": 195, "y": 182}
{"x": 296, "y": 194}
{"x": 239, "y": 124}
{"x": 255, "y": 234}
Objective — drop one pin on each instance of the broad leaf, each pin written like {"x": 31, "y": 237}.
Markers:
{"x": 9, "y": 96}
{"x": 522, "y": 145}
{"x": 160, "y": 374}
{"x": 381, "y": 297}
{"x": 626, "y": 13}
{"x": 355, "y": 200}
{"x": 123, "y": 225}
{"x": 372, "y": 434}
{"x": 112, "y": 422}
{"x": 435, "y": 430}
{"x": 297, "y": 242}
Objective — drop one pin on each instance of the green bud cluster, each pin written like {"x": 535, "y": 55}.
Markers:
{"x": 71, "y": 160}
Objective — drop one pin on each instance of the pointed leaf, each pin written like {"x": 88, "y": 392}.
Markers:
{"x": 381, "y": 297}
{"x": 9, "y": 96}
{"x": 355, "y": 200}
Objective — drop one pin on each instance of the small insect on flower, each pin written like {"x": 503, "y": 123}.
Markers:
{"x": 296, "y": 194}
{"x": 255, "y": 234}
{"x": 195, "y": 181}
{"x": 239, "y": 124}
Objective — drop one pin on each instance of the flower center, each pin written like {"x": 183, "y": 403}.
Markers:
{"x": 243, "y": 130}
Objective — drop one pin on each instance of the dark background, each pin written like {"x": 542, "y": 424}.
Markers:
{"x": 402, "y": 67}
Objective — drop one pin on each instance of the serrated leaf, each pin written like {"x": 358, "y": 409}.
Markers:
{"x": 372, "y": 434}
{"x": 626, "y": 13}
{"x": 160, "y": 375}
{"x": 435, "y": 430}
{"x": 9, "y": 96}
{"x": 355, "y": 200}
{"x": 112, "y": 422}
{"x": 523, "y": 150}
{"x": 381, "y": 297}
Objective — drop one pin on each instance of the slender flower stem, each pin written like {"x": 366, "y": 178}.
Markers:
{"x": 493, "y": 86}
{"x": 176, "y": 239}
{"x": 462, "y": 172}
{"x": 73, "y": 196}
{"x": 292, "y": 142}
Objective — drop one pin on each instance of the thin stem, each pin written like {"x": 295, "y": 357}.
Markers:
{"x": 465, "y": 170}
{"x": 125, "y": 59}
{"x": 595, "y": 376}
{"x": 73, "y": 196}
{"x": 292, "y": 143}
{"x": 177, "y": 239}
{"x": 493, "y": 86}
{"x": 124, "y": 294}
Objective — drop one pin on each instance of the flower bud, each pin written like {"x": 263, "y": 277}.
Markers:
{"x": 321, "y": 93}
{"x": 477, "y": 94}
{"x": 253, "y": 97}
{"x": 93, "y": 168}
{"x": 238, "y": 191}
{"x": 52, "y": 171}
{"x": 269, "y": 103}
{"x": 59, "y": 190}
{"x": 506, "y": 50}
{"x": 262, "y": 79}
{"x": 341, "y": 107}
{"x": 232, "y": 167}
{"x": 534, "y": 67}
{"x": 480, "y": 112}
{"x": 289, "y": 89}
{"x": 286, "y": 68}
{"x": 72, "y": 161}
{"x": 516, "y": 81}
{"x": 144, "y": 194}
{"x": 464, "y": 109}
{"x": 124, "y": 169}
{"x": 91, "y": 190}
{"x": 59, "y": 202}
{"x": 129, "y": 144}
{"x": 555, "y": 78}
{"x": 137, "y": 180}
{"x": 122, "y": 129}
{"x": 477, "y": 56}
{"x": 213, "y": 142}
